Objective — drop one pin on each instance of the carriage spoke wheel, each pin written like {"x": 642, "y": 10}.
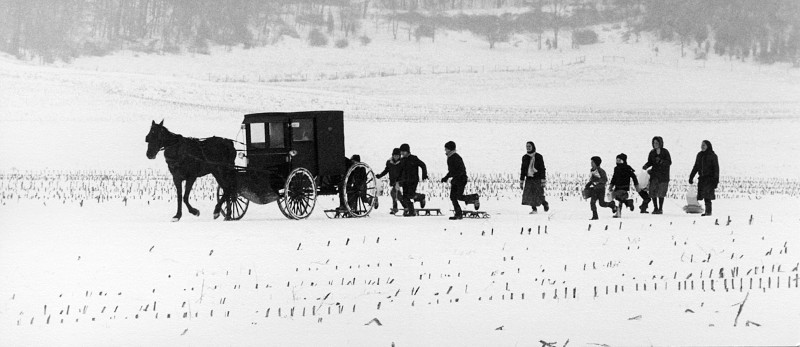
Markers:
{"x": 361, "y": 190}
{"x": 238, "y": 206}
{"x": 299, "y": 195}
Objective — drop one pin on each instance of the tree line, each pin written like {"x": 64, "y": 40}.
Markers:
{"x": 767, "y": 30}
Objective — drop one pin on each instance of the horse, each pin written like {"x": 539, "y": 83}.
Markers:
{"x": 189, "y": 158}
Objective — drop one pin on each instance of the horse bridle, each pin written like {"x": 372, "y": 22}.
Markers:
{"x": 160, "y": 139}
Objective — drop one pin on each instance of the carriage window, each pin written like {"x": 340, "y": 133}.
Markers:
{"x": 258, "y": 135}
{"x": 303, "y": 130}
{"x": 276, "y": 138}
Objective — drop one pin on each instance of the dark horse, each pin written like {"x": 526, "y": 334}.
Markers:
{"x": 190, "y": 158}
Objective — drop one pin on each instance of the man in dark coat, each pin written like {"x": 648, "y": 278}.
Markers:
{"x": 393, "y": 170}
{"x": 621, "y": 183}
{"x": 409, "y": 179}
{"x": 659, "y": 160}
{"x": 707, "y": 165}
{"x": 458, "y": 172}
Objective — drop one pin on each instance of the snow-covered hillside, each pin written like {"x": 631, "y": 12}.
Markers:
{"x": 114, "y": 272}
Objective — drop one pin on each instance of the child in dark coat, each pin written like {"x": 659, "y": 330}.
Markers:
{"x": 621, "y": 183}
{"x": 393, "y": 170}
{"x": 597, "y": 188}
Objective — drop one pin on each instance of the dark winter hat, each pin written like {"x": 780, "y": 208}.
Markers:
{"x": 396, "y": 151}
{"x": 623, "y": 156}
{"x": 450, "y": 145}
{"x": 597, "y": 160}
{"x": 405, "y": 148}
{"x": 355, "y": 157}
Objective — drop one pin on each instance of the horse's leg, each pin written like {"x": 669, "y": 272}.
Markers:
{"x": 229, "y": 190}
{"x": 189, "y": 183}
{"x": 225, "y": 192}
{"x": 178, "y": 185}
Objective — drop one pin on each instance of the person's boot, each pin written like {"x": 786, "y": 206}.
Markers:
{"x": 534, "y": 210}
{"x": 594, "y": 215}
{"x": 410, "y": 212}
{"x": 629, "y": 203}
{"x": 708, "y": 208}
{"x": 645, "y": 201}
{"x": 421, "y": 199}
{"x": 546, "y": 206}
{"x": 456, "y": 216}
{"x": 476, "y": 202}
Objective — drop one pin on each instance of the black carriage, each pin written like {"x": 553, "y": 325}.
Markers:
{"x": 291, "y": 158}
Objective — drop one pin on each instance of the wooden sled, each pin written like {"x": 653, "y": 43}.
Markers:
{"x": 339, "y": 213}
{"x": 423, "y": 212}
{"x": 474, "y": 214}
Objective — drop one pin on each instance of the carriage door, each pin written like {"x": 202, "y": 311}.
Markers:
{"x": 304, "y": 142}
{"x": 267, "y": 146}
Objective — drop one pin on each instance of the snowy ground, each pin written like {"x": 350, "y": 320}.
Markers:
{"x": 123, "y": 275}
{"x": 109, "y": 274}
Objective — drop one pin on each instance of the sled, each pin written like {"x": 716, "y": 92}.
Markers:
{"x": 423, "y": 212}
{"x": 338, "y": 213}
{"x": 475, "y": 214}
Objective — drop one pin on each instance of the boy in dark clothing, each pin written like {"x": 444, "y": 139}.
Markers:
{"x": 458, "y": 172}
{"x": 393, "y": 170}
{"x": 409, "y": 179}
{"x": 597, "y": 187}
{"x": 621, "y": 183}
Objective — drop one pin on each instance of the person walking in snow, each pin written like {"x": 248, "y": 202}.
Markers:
{"x": 532, "y": 179}
{"x": 597, "y": 187}
{"x": 458, "y": 172}
{"x": 409, "y": 179}
{"x": 659, "y": 162}
{"x": 706, "y": 164}
{"x": 393, "y": 170}
{"x": 621, "y": 183}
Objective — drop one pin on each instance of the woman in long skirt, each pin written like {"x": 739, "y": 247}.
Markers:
{"x": 707, "y": 166}
{"x": 658, "y": 161}
{"x": 532, "y": 179}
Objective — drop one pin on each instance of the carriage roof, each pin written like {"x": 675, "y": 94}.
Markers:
{"x": 265, "y": 117}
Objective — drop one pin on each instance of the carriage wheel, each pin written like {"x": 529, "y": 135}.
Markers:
{"x": 361, "y": 197}
{"x": 299, "y": 195}
{"x": 238, "y": 208}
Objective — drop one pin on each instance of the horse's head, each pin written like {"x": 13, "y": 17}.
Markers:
{"x": 155, "y": 139}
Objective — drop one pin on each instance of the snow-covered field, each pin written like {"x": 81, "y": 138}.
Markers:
{"x": 111, "y": 273}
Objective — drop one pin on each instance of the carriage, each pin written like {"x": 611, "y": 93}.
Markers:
{"x": 291, "y": 159}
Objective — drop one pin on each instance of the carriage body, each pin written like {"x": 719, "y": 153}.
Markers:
{"x": 291, "y": 157}
{"x": 282, "y": 142}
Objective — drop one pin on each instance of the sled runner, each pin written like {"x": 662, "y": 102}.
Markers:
{"x": 423, "y": 212}
{"x": 475, "y": 214}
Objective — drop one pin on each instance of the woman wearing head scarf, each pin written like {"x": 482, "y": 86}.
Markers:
{"x": 532, "y": 179}
{"x": 707, "y": 166}
{"x": 659, "y": 161}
